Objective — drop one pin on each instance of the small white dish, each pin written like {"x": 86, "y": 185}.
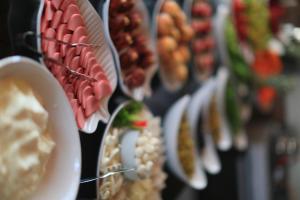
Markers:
{"x": 219, "y": 22}
{"x": 171, "y": 129}
{"x": 199, "y": 106}
{"x": 96, "y": 35}
{"x": 64, "y": 165}
{"x": 225, "y": 141}
{"x": 138, "y": 93}
{"x": 128, "y": 146}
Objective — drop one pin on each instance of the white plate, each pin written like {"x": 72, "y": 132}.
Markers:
{"x": 64, "y": 166}
{"x": 145, "y": 90}
{"x": 199, "y": 106}
{"x": 171, "y": 130}
{"x": 225, "y": 141}
{"x": 95, "y": 30}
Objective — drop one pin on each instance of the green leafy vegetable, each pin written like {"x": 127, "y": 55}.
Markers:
{"x": 232, "y": 109}
{"x": 128, "y": 116}
{"x": 238, "y": 65}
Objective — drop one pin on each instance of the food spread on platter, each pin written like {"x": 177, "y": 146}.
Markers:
{"x": 203, "y": 43}
{"x": 173, "y": 37}
{"x": 131, "y": 40}
{"x": 80, "y": 74}
{"x": 214, "y": 120}
{"x": 186, "y": 148}
{"x": 148, "y": 156}
{"x": 257, "y": 34}
{"x": 25, "y": 140}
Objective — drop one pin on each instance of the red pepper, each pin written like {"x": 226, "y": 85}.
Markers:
{"x": 140, "y": 124}
{"x": 267, "y": 64}
{"x": 266, "y": 96}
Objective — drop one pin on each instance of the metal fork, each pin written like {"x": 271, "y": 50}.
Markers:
{"x": 30, "y": 33}
{"x": 87, "y": 180}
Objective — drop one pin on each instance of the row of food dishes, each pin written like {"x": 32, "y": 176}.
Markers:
{"x": 88, "y": 52}
{"x": 47, "y": 151}
{"x": 74, "y": 84}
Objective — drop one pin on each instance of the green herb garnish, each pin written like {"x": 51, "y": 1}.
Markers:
{"x": 128, "y": 116}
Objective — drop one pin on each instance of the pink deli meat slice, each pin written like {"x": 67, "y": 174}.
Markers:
{"x": 101, "y": 89}
{"x": 63, "y": 47}
{"x": 68, "y": 87}
{"x": 57, "y": 70}
{"x": 92, "y": 105}
{"x": 100, "y": 76}
{"x": 52, "y": 48}
{"x": 56, "y": 19}
{"x": 74, "y": 63}
{"x": 44, "y": 24}
{"x": 80, "y": 118}
{"x": 75, "y": 21}
{"x": 56, "y": 3}
{"x": 80, "y": 90}
{"x": 61, "y": 31}
{"x": 82, "y": 40}
{"x": 88, "y": 91}
{"x": 66, "y": 3}
{"x": 84, "y": 51}
{"x": 54, "y": 55}
{"x": 91, "y": 62}
{"x": 50, "y": 33}
{"x": 94, "y": 70}
{"x": 74, "y": 105}
{"x": 88, "y": 56}
{"x": 69, "y": 55}
{"x": 71, "y": 10}
{"x": 80, "y": 85}
{"x": 49, "y": 12}
{"x": 78, "y": 33}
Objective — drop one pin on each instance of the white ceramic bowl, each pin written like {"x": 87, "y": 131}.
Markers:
{"x": 198, "y": 106}
{"x": 225, "y": 141}
{"x": 95, "y": 30}
{"x": 171, "y": 129}
{"x": 62, "y": 176}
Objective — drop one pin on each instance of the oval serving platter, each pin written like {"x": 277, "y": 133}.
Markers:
{"x": 103, "y": 55}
